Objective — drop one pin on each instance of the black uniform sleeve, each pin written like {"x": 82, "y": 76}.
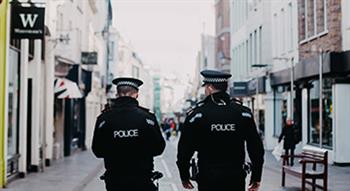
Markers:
{"x": 158, "y": 142}
{"x": 281, "y": 135}
{"x": 255, "y": 146}
{"x": 186, "y": 148}
{"x": 98, "y": 140}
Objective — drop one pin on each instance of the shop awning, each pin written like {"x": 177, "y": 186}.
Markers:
{"x": 66, "y": 89}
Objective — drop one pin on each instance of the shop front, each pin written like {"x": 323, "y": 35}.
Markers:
{"x": 13, "y": 112}
{"x": 70, "y": 110}
{"x": 252, "y": 93}
{"x": 327, "y": 133}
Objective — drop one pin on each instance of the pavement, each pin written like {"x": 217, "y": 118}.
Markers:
{"x": 68, "y": 174}
{"x": 81, "y": 172}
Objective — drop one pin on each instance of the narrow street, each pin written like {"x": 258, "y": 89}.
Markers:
{"x": 165, "y": 164}
{"x": 171, "y": 181}
{"x": 271, "y": 174}
{"x": 81, "y": 172}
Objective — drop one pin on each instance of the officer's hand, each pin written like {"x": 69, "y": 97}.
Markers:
{"x": 254, "y": 186}
{"x": 187, "y": 184}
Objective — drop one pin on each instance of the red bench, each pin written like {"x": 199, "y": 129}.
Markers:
{"x": 308, "y": 174}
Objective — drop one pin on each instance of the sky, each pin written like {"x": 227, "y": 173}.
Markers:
{"x": 165, "y": 33}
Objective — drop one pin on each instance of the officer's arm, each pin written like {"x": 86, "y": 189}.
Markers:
{"x": 157, "y": 138}
{"x": 186, "y": 149}
{"x": 98, "y": 141}
{"x": 255, "y": 146}
{"x": 281, "y": 135}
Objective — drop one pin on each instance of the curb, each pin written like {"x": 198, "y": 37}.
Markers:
{"x": 89, "y": 178}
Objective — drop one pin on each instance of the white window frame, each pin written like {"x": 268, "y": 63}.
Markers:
{"x": 291, "y": 26}
{"x": 325, "y": 30}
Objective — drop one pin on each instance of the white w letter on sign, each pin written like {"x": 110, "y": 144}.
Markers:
{"x": 28, "y": 18}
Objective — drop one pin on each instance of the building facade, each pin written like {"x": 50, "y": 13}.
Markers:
{"x": 205, "y": 60}
{"x": 222, "y": 32}
{"x": 284, "y": 47}
{"x": 323, "y": 51}
{"x": 131, "y": 65}
{"x": 48, "y": 81}
{"x": 308, "y": 80}
{"x": 251, "y": 53}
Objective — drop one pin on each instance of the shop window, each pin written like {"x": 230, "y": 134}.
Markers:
{"x": 12, "y": 114}
{"x": 280, "y": 111}
{"x": 314, "y": 118}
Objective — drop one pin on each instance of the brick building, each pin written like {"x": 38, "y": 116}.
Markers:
{"x": 322, "y": 27}
{"x": 222, "y": 44}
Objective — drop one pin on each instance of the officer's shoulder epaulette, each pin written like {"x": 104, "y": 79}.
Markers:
{"x": 198, "y": 105}
{"x": 246, "y": 109}
{"x": 145, "y": 109}
{"x": 236, "y": 101}
{"x": 246, "y": 112}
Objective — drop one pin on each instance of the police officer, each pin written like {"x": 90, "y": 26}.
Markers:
{"x": 127, "y": 137}
{"x": 218, "y": 129}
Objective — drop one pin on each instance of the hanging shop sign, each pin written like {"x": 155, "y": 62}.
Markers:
{"x": 27, "y": 22}
{"x": 240, "y": 89}
{"x": 89, "y": 58}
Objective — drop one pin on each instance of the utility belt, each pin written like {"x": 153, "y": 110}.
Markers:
{"x": 218, "y": 169}
{"x": 126, "y": 177}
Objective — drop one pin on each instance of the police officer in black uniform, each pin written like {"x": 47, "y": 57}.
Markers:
{"x": 218, "y": 129}
{"x": 127, "y": 137}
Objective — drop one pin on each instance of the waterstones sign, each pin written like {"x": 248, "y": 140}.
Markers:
{"x": 27, "y": 22}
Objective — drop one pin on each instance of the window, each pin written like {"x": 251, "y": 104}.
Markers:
{"x": 255, "y": 48}
{"x": 275, "y": 40}
{"x": 246, "y": 57}
{"x": 314, "y": 19}
{"x": 280, "y": 111}
{"x": 311, "y": 18}
{"x": 13, "y": 102}
{"x": 322, "y": 15}
{"x": 60, "y": 22}
{"x": 291, "y": 27}
{"x": 135, "y": 72}
{"x": 260, "y": 46}
{"x": 250, "y": 50}
{"x": 314, "y": 122}
{"x": 283, "y": 32}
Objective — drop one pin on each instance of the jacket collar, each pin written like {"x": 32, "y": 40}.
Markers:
{"x": 218, "y": 98}
{"x": 125, "y": 101}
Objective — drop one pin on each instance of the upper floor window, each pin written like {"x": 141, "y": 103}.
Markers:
{"x": 314, "y": 18}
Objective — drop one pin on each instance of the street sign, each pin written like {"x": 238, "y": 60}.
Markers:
{"x": 89, "y": 58}
{"x": 240, "y": 89}
{"x": 27, "y": 22}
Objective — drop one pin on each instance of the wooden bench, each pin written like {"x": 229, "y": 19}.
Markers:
{"x": 307, "y": 173}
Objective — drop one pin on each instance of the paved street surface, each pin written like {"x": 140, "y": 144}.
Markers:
{"x": 68, "y": 174}
{"x": 81, "y": 172}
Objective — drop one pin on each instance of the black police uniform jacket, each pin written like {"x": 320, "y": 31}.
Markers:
{"x": 218, "y": 128}
{"x": 288, "y": 133}
{"x": 127, "y": 137}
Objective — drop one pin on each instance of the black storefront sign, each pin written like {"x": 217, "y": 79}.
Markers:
{"x": 240, "y": 89}
{"x": 27, "y": 22}
{"x": 257, "y": 83}
{"x": 335, "y": 64}
{"x": 89, "y": 58}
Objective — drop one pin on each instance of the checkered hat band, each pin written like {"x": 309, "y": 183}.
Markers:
{"x": 126, "y": 83}
{"x": 215, "y": 80}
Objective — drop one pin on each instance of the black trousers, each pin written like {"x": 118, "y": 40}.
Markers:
{"x": 129, "y": 184}
{"x": 216, "y": 187}
{"x": 131, "y": 187}
{"x": 223, "y": 183}
{"x": 291, "y": 153}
